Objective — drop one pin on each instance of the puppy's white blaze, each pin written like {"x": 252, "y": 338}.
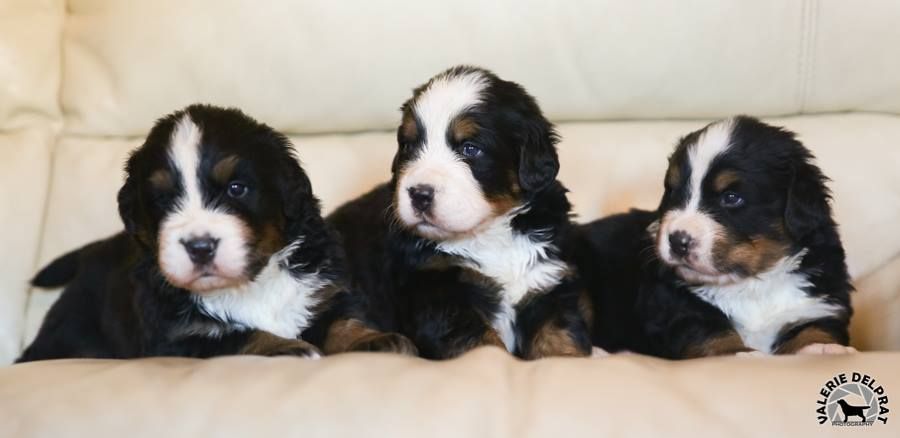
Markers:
{"x": 184, "y": 151}
{"x": 517, "y": 263}
{"x": 191, "y": 219}
{"x": 712, "y": 143}
{"x": 715, "y": 141}
{"x": 445, "y": 98}
{"x": 459, "y": 203}
{"x": 276, "y": 301}
{"x": 759, "y": 307}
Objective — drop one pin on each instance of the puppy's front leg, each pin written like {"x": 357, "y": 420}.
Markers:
{"x": 491, "y": 338}
{"x": 440, "y": 337}
{"x": 263, "y": 343}
{"x": 727, "y": 342}
{"x": 555, "y": 324}
{"x": 256, "y": 342}
{"x": 351, "y": 334}
{"x": 553, "y": 339}
{"x": 821, "y": 337}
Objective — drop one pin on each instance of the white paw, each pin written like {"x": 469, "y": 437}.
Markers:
{"x": 752, "y": 353}
{"x": 826, "y": 349}
{"x": 311, "y": 355}
{"x": 598, "y": 352}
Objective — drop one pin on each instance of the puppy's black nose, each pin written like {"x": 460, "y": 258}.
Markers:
{"x": 680, "y": 243}
{"x": 421, "y": 196}
{"x": 201, "y": 250}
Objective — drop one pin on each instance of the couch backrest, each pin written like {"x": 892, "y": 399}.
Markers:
{"x": 325, "y": 66}
{"x": 30, "y": 63}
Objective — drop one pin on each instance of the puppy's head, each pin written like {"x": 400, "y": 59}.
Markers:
{"x": 740, "y": 195}
{"x": 472, "y": 147}
{"x": 213, "y": 195}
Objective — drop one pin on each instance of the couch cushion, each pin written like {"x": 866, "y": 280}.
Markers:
{"x": 24, "y": 181}
{"x": 30, "y": 41}
{"x": 609, "y": 167}
{"x": 486, "y": 393}
{"x": 321, "y": 66}
{"x": 876, "y": 309}
{"x": 847, "y": 66}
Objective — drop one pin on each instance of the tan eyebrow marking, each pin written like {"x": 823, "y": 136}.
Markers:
{"x": 725, "y": 179}
{"x": 162, "y": 179}
{"x": 224, "y": 169}
{"x": 464, "y": 128}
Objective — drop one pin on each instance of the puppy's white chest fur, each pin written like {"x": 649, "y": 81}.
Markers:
{"x": 761, "y": 307}
{"x": 275, "y": 301}
{"x": 516, "y": 262}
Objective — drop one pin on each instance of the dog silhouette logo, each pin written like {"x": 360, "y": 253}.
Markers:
{"x": 852, "y": 399}
{"x": 851, "y": 411}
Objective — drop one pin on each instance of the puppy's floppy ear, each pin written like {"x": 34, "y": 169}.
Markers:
{"x": 127, "y": 201}
{"x": 807, "y": 207}
{"x": 296, "y": 193}
{"x": 129, "y": 210}
{"x": 395, "y": 163}
{"x": 538, "y": 161}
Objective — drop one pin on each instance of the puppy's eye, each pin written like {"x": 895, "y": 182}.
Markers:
{"x": 237, "y": 189}
{"x": 470, "y": 150}
{"x": 731, "y": 200}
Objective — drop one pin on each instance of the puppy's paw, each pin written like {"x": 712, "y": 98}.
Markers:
{"x": 307, "y": 352}
{"x": 818, "y": 349}
{"x": 386, "y": 343}
{"x": 295, "y": 348}
{"x": 598, "y": 352}
{"x": 267, "y": 344}
{"x": 750, "y": 353}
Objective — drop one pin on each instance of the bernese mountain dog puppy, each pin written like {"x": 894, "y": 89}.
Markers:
{"x": 462, "y": 247}
{"x": 741, "y": 256}
{"x": 224, "y": 252}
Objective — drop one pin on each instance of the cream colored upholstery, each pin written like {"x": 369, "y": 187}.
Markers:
{"x": 484, "y": 394}
{"x": 347, "y": 67}
{"x": 81, "y": 82}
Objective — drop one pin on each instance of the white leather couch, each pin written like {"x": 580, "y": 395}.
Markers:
{"x": 81, "y": 82}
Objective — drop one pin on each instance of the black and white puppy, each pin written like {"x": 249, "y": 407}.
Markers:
{"x": 225, "y": 252}
{"x": 461, "y": 247}
{"x": 745, "y": 254}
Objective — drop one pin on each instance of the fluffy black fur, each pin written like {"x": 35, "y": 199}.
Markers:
{"x": 437, "y": 299}
{"x": 643, "y": 305}
{"x": 118, "y": 303}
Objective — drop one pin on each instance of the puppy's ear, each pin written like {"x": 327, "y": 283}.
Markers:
{"x": 296, "y": 193}
{"x": 395, "y": 163}
{"x": 129, "y": 210}
{"x": 538, "y": 162}
{"x": 807, "y": 206}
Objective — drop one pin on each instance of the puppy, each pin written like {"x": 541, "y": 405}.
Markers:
{"x": 224, "y": 252}
{"x": 742, "y": 254}
{"x": 461, "y": 247}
